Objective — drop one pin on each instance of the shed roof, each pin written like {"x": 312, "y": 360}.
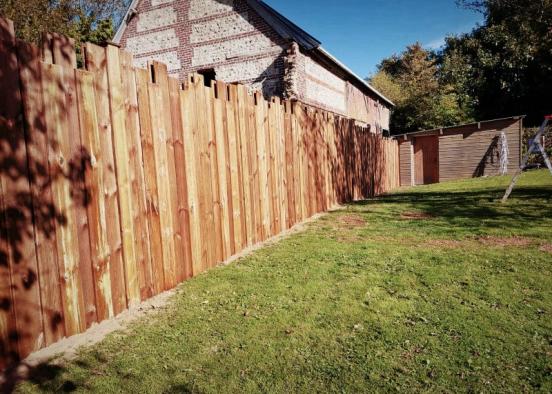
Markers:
{"x": 438, "y": 130}
{"x": 288, "y": 31}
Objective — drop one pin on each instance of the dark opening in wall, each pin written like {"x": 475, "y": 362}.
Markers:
{"x": 209, "y": 75}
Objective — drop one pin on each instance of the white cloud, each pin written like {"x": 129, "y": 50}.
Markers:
{"x": 435, "y": 44}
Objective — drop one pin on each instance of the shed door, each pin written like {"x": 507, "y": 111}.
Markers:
{"x": 426, "y": 160}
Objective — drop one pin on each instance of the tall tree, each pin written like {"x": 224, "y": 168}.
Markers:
{"x": 412, "y": 81}
{"x": 84, "y": 20}
{"x": 505, "y": 66}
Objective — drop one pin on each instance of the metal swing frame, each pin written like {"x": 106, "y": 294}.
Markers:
{"x": 533, "y": 147}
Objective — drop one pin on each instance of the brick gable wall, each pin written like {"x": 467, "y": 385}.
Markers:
{"x": 229, "y": 37}
{"x": 191, "y": 35}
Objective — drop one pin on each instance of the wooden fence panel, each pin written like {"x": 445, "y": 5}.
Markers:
{"x": 19, "y": 288}
{"x": 217, "y": 245}
{"x": 242, "y": 125}
{"x": 122, "y": 167}
{"x": 136, "y": 177}
{"x": 234, "y": 154}
{"x": 225, "y": 184}
{"x": 167, "y": 152}
{"x": 184, "y": 267}
{"x": 129, "y": 184}
{"x": 153, "y": 277}
{"x": 261, "y": 129}
{"x": 203, "y": 175}
{"x": 94, "y": 175}
{"x": 289, "y": 165}
{"x": 280, "y": 164}
{"x": 95, "y": 59}
{"x": 254, "y": 170}
{"x": 66, "y": 230}
{"x": 159, "y": 140}
{"x": 47, "y": 276}
{"x": 187, "y": 103}
{"x": 64, "y": 55}
{"x": 273, "y": 172}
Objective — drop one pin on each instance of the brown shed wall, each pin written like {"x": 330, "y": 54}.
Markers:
{"x": 468, "y": 151}
{"x": 405, "y": 163}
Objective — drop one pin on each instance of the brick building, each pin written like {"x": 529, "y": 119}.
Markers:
{"x": 248, "y": 41}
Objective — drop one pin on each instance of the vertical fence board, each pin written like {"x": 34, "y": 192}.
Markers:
{"x": 261, "y": 122}
{"x": 159, "y": 140}
{"x": 280, "y": 160}
{"x": 20, "y": 291}
{"x": 189, "y": 126}
{"x": 136, "y": 177}
{"x": 203, "y": 176}
{"x": 94, "y": 176}
{"x": 66, "y": 230}
{"x": 296, "y": 162}
{"x": 95, "y": 59}
{"x": 244, "y": 141}
{"x": 273, "y": 172}
{"x": 47, "y": 279}
{"x": 217, "y": 246}
{"x": 64, "y": 55}
{"x": 153, "y": 276}
{"x": 122, "y": 167}
{"x": 234, "y": 149}
{"x": 289, "y": 164}
{"x": 184, "y": 267}
{"x": 254, "y": 170}
{"x": 166, "y": 137}
{"x": 221, "y": 134}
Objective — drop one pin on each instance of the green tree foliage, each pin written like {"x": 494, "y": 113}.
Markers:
{"x": 83, "y": 20}
{"x": 501, "y": 68}
{"x": 412, "y": 80}
{"x": 504, "y": 67}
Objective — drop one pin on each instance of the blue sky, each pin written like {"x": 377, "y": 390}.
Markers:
{"x": 361, "y": 33}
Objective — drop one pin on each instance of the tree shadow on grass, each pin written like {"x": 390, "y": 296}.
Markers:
{"x": 44, "y": 376}
{"x": 480, "y": 209}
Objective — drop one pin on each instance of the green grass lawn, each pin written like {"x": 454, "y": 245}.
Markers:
{"x": 438, "y": 288}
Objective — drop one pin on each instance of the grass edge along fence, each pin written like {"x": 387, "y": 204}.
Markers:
{"x": 119, "y": 183}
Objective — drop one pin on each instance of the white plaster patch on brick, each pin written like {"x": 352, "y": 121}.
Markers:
{"x": 152, "y": 42}
{"x": 251, "y": 69}
{"x": 227, "y": 26}
{"x": 169, "y": 58}
{"x": 318, "y": 72}
{"x": 326, "y": 96}
{"x": 155, "y": 19}
{"x": 155, "y": 3}
{"x": 221, "y": 52}
{"x": 204, "y": 8}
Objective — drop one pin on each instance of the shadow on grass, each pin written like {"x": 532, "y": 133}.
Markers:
{"x": 41, "y": 375}
{"x": 480, "y": 208}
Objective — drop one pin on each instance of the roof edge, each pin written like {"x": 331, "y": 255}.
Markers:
{"x": 414, "y": 133}
{"x": 286, "y": 29}
{"x": 123, "y": 25}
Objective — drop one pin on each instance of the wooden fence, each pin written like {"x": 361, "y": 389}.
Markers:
{"x": 117, "y": 183}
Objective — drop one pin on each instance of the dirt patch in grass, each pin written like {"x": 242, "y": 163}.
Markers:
{"x": 416, "y": 216}
{"x": 505, "y": 241}
{"x": 351, "y": 221}
{"x": 546, "y": 248}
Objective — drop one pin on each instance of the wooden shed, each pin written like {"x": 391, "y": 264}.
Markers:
{"x": 465, "y": 151}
